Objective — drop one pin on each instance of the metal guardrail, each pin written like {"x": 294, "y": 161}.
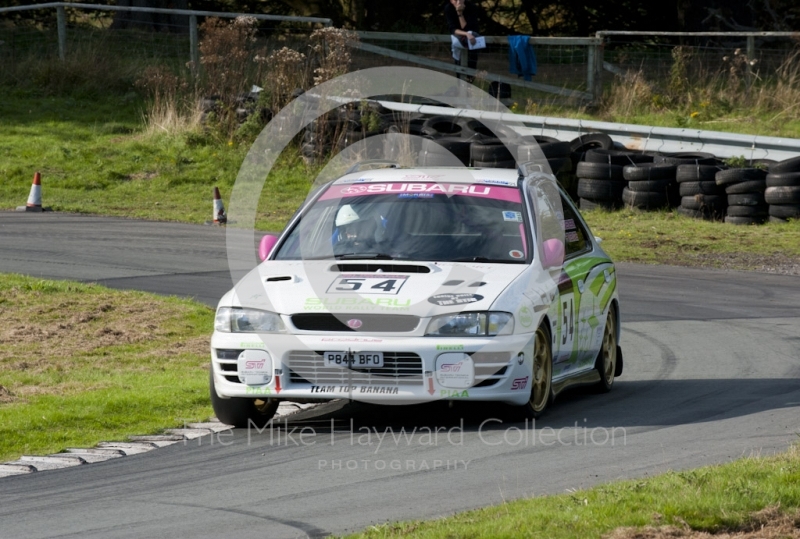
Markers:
{"x": 194, "y": 54}
{"x": 633, "y": 137}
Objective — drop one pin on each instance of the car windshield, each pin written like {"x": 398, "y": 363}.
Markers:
{"x": 412, "y": 221}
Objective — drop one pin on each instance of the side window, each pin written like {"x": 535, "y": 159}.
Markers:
{"x": 575, "y": 235}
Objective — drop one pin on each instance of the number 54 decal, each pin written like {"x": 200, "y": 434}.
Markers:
{"x": 367, "y": 284}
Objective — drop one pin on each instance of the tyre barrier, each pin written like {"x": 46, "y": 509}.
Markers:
{"x": 781, "y": 193}
{"x": 745, "y": 193}
{"x": 591, "y": 168}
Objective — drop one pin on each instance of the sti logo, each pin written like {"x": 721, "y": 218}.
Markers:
{"x": 254, "y": 364}
{"x": 452, "y": 367}
{"x": 519, "y": 383}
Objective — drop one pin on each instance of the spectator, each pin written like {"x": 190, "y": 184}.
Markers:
{"x": 462, "y": 21}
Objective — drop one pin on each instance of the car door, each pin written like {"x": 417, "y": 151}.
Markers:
{"x": 589, "y": 276}
{"x": 545, "y": 199}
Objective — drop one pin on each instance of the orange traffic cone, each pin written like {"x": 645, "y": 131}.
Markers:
{"x": 219, "y": 209}
{"x": 35, "y": 198}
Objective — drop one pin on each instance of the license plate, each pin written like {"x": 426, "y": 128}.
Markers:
{"x": 354, "y": 360}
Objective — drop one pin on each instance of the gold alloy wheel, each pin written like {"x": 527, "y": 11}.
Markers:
{"x": 609, "y": 349}
{"x": 542, "y": 371}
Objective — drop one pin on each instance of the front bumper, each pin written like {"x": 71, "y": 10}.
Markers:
{"x": 416, "y": 369}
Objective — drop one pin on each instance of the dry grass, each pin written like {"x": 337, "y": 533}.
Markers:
{"x": 769, "y": 523}
{"x": 694, "y": 92}
{"x": 49, "y": 333}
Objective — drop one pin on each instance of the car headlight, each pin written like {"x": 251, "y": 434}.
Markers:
{"x": 235, "y": 320}
{"x": 482, "y": 324}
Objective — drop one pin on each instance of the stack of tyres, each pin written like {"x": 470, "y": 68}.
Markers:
{"x": 783, "y": 190}
{"x": 577, "y": 151}
{"x": 745, "y": 189}
{"x": 550, "y": 152}
{"x": 701, "y": 197}
{"x": 600, "y": 177}
{"x": 650, "y": 185}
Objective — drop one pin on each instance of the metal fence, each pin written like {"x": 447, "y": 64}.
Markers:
{"x": 113, "y": 29}
{"x": 577, "y": 68}
{"x": 702, "y": 55}
{"x": 567, "y": 66}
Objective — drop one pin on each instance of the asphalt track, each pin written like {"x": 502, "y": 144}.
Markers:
{"x": 712, "y": 373}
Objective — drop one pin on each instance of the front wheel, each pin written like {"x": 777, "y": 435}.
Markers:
{"x": 541, "y": 385}
{"x": 241, "y": 412}
{"x": 606, "y": 362}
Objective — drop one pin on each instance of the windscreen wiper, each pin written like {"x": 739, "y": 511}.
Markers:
{"x": 484, "y": 259}
{"x": 364, "y": 256}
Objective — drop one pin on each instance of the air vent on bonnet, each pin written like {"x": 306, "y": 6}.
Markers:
{"x": 382, "y": 267}
{"x": 279, "y": 278}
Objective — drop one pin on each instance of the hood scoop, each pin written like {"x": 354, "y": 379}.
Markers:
{"x": 379, "y": 267}
{"x": 277, "y": 278}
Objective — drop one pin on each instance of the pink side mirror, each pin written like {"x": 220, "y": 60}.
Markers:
{"x": 265, "y": 246}
{"x": 552, "y": 253}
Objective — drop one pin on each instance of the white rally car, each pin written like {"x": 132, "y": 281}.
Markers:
{"x": 397, "y": 286}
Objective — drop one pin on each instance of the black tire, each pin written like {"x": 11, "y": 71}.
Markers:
{"x": 544, "y": 139}
{"x": 773, "y": 219}
{"x": 738, "y": 175}
{"x": 649, "y": 171}
{"x": 787, "y": 165}
{"x": 644, "y": 200}
{"x": 703, "y": 202}
{"x": 555, "y": 149}
{"x": 606, "y": 361}
{"x": 617, "y": 157}
{"x": 700, "y": 188}
{"x": 746, "y": 199}
{"x": 747, "y": 211}
{"x": 429, "y": 158}
{"x": 495, "y": 164}
{"x": 654, "y": 186}
{"x": 598, "y": 171}
{"x": 586, "y": 204}
{"x": 451, "y": 145}
{"x": 687, "y": 158}
{"x": 696, "y": 173}
{"x": 480, "y": 151}
{"x": 442, "y": 126}
{"x": 591, "y": 141}
{"x": 595, "y": 190}
{"x": 477, "y": 131}
{"x": 559, "y": 164}
{"x": 533, "y": 152}
{"x": 241, "y": 412}
{"x": 787, "y": 179}
{"x": 785, "y": 211}
{"x": 749, "y": 186}
{"x": 733, "y": 220}
{"x": 782, "y": 195}
{"x": 542, "y": 379}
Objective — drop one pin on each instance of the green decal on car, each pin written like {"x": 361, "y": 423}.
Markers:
{"x": 525, "y": 316}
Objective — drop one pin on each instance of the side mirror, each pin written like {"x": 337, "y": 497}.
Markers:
{"x": 552, "y": 253}
{"x": 265, "y": 246}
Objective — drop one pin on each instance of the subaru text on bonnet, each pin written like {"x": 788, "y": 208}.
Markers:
{"x": 396, "y": 286}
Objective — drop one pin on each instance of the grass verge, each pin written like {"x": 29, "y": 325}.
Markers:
{"x": 80, "y": 364}
{"x": 94, "y": 158}
{"x": 729, "y": 498}
{"x": 665, "y": 237}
